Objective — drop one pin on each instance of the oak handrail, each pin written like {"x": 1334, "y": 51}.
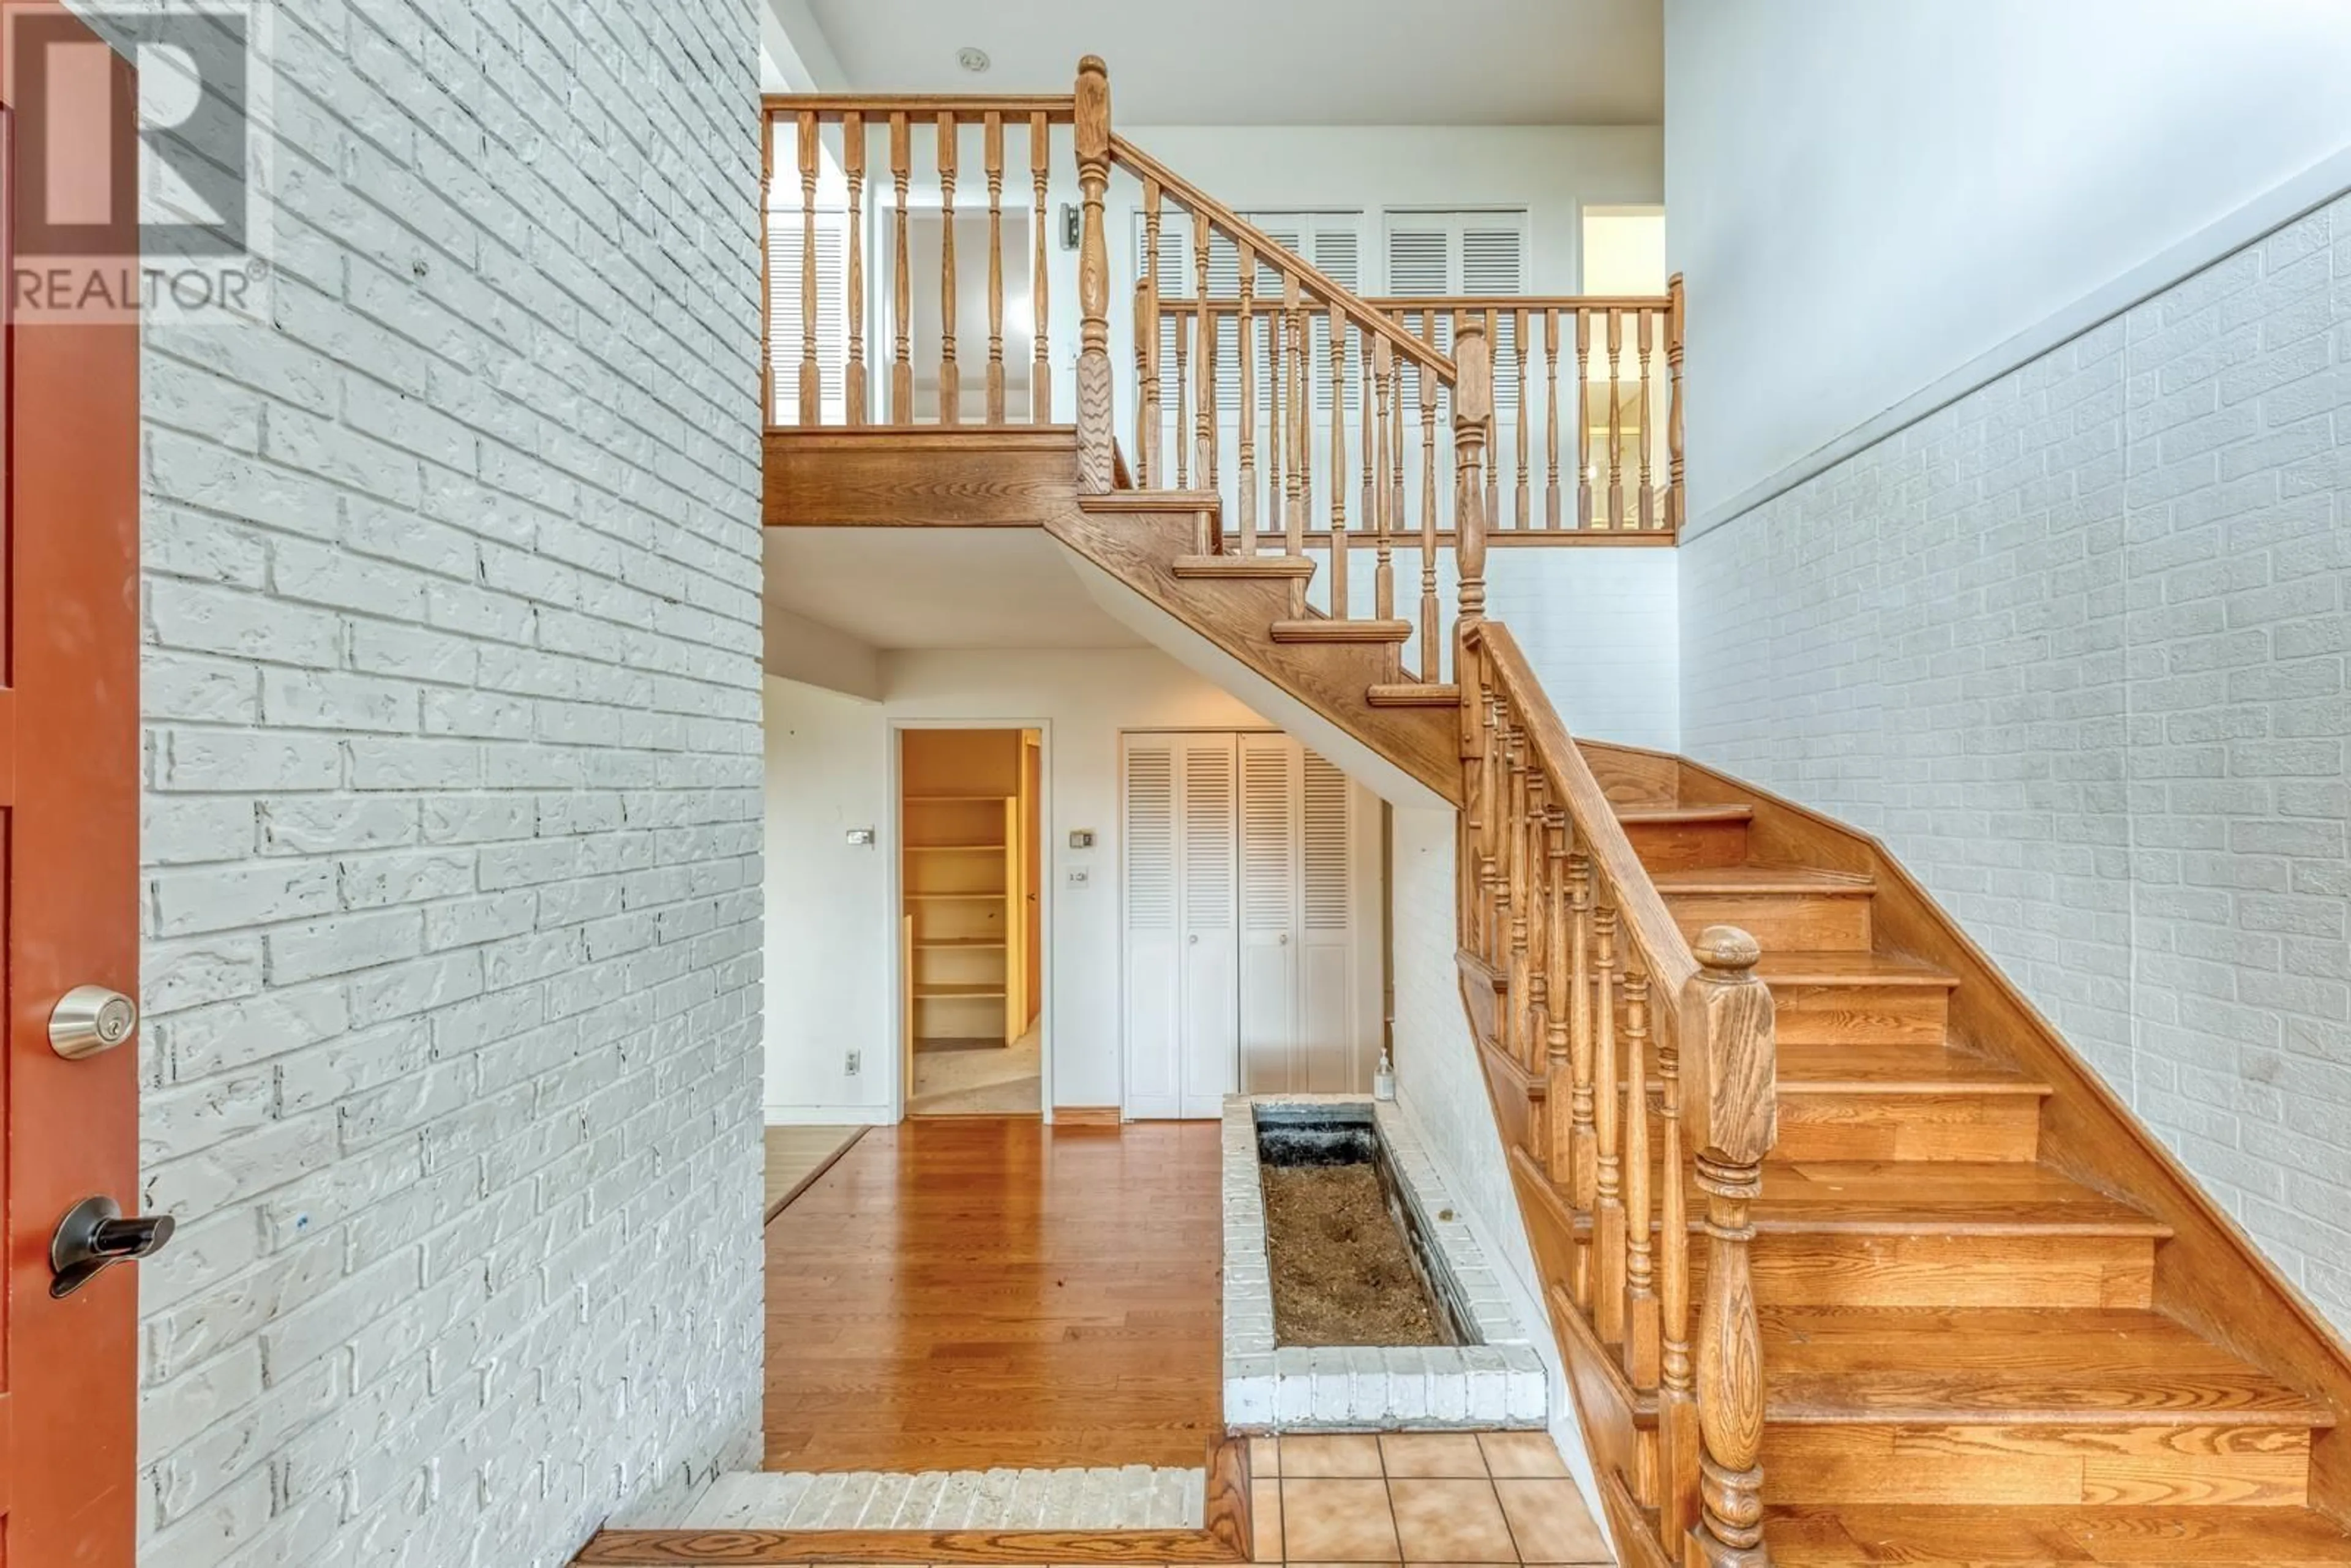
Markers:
{"x": 1059, "y": 109}
{"x": 1312, "y": 280}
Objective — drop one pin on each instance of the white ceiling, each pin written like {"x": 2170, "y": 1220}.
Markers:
{"x": 938, "y": 588}
{"x": 1278, "y": 62}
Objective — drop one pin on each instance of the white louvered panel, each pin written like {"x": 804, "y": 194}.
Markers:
{"x": 1493, "y": 261}
{"x": 1269, "y": 887}
{"x": 1327, "y": 848}
{"x": 1151, "y": 837}
{"x": 1208, "y": 847}
{"x": 786, "y": 329}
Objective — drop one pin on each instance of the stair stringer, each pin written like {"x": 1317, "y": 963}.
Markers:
{"x": 1220, "y": 631}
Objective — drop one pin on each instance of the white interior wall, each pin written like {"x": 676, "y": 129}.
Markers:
{"x": 829, "y": 770}
{"x": 1867, "y": 196}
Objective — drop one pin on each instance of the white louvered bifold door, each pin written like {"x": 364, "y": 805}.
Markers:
{"x": 1155, "y": 938}
{"x": 1209, "y": 1054}
{"x": 1269, "y": 914}
{"x": 1329, "y": 1025}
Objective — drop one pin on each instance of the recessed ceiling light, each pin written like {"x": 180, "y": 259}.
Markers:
{"x": 972, "y": 60}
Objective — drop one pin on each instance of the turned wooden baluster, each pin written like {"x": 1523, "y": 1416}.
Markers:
{"x": 1582, "y": 1131}
{"x": 1367, "y": 428}
{"x": 950, "y": 378}
{"x": 1521, "y": 515}
{"x": 1295, "y": 353}
{"x": 1040, "y": 373}
{"x": 1515, "y": 901}
{"x": 1583, "y": 475}
{"x": 1181, "y": 342}
{"x": 1608, "y": 1202}
{"x": 1393, "y": 392}
{"x": 1473, "y": 409}
{"x": 811, "y": 379}
{"x": 1673, "y": 394}
{"x": 1536, "y": 899}
{"x": 852, "y": 164}
{"x": 1147, "y": 340}
{"x": 1245, "y": 417}
{"x": 1551, "y": 418}
{"x": 1477, "y": 734}
{"x": 1726, "y": 1015}
{"x": 1644, "y": 346}
{"x": 1493, "y": 436}
{"x": 1640, "y": 1349}
{"x": 1094, "y": 443}
{"x": 1276, "y": 426}
{"x": 1615, "y": 419}
{"x": 1496, "y": 919}
{"x": 1432, "y": 648}
{"x": 1204, "y": 363}
{"x": 902, "y": 298}
{"x": 1677, "y": 1436}
{"x": 1340, "y": 553}
{"x": 1559, "y": 1058}
{"x": 993, "y": 161}
{"x": 1379, "y": 494}
{"x": 767, "y": 271}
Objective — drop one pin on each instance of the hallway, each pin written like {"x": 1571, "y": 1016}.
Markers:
{"x": 974, "y": 1292}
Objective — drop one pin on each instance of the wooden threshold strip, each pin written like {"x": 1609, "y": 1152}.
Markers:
{"x": 1224, "y": 1538}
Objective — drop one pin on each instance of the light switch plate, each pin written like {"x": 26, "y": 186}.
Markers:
{"x": 1081, "y": 838}
{"x": 1080, "y": 876}
{"x": 861, "y": 836}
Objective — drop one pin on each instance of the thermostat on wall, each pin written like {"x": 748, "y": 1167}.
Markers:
{"x": 1081, "y": 838}
{"x": 861, "y": 836}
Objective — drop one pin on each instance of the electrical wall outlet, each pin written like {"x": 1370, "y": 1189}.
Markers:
{"x": 853, "y": 1064}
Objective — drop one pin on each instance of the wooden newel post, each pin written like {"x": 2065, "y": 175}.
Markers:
{"x": 1473, "y": 408}
{"x": 1727, "y": 1036}
{"x": 1093, "y": 279}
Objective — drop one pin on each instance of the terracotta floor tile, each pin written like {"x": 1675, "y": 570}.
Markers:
{"x": 1337, "y": 1521}
{"x": 1549, "y": 1523}
{"x": 1265, "y": 1521}
{"x": 1355, "y": 1455}
{"x": 1450, "y": 1521}
{"x": 1433, "y": 1454}
{"x": 1528, "y": 1454}
{"x": 1265, "y": 1458}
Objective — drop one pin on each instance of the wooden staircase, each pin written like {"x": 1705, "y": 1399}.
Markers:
{"x": 1993, "y": 1323}
{"x": 1851, "y": 1258}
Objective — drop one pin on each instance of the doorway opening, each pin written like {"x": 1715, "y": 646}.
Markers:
{"x": 970, "y": 829}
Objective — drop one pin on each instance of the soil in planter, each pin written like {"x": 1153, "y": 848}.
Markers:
{"x": 1342, "y": 1274}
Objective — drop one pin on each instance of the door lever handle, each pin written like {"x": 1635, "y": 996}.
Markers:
{"x": 94, "y": 1236}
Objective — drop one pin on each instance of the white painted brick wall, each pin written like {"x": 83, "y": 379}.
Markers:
{"x": 2076, "y": 647}
{"x": 451, "y": 833}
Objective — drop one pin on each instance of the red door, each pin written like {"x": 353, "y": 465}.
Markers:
{"x": 69, "y": 813}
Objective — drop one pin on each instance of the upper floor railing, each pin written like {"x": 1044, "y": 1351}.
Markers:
{"x": 906, "y": 286}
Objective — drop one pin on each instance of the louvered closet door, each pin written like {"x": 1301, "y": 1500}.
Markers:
{"x": 1154, "y": 938}
{"x": 1270, "y": 1038}
{"x": 1208, "y": 1060}
{"x": 1329, "y": 1058}
{"x": 787, "y": 327}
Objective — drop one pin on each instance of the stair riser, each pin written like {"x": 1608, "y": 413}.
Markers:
{"x": 1688, "y": 846}
{"x": 1781, "y": 922}
{"x": 1845, "y": 1015}
{"x": 1830, "y": 1270}
{"x": 2047, "y": 1465}
{"x": 1863, "y": 1127}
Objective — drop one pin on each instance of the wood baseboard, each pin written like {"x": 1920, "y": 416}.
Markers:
{"x": 1225, "y": 1537}
{"x": 1086, "y": 1115}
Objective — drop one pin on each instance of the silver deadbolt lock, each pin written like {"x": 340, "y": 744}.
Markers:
{"x": 89, "y": 1019}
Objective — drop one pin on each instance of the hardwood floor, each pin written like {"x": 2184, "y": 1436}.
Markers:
{"x": 964, "y": 1293}
{"x": 797, "y": 1155}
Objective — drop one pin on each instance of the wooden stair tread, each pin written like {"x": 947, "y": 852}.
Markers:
{"x": 1414, "y": 694}
{"x": 1323, "y": 629}
{"x": 1245, "y": 566}
{"x": 1955, "y": 1198}
{"x": 1758, "y": 879}
{"x": 2014, "y": 1366}
{"x": 1663, "y": 814}
{"x": 1877, "y": 1068}
{"x": 1850, "y": 1535}
{"x": 1788, "y": 967}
